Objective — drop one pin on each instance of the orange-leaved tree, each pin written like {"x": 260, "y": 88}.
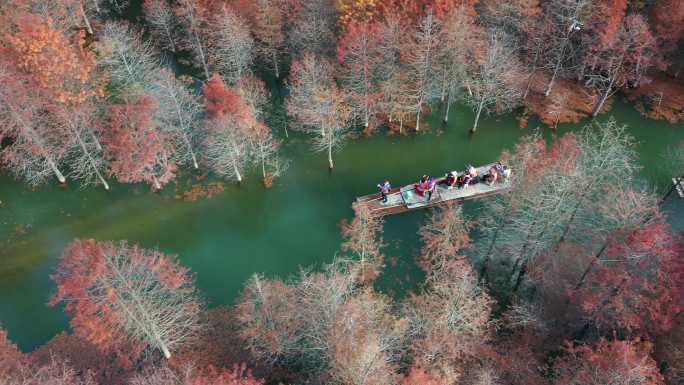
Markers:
{"x": 127, "y": 299}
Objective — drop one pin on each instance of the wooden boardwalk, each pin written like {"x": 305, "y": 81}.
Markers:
{"x": 402, "y": 199}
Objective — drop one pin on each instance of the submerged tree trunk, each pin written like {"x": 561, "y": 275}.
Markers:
{"x": 330, "y": 159}
{"x": 477, "y": 116}
{"x": 448, "y": 105}
{"x": 275, "y": 64}
{"x": 55, "y": 170}
{"x": 91, "y": 160}
{"x": 155, "y": 183}
{"x": 420, "y": 108}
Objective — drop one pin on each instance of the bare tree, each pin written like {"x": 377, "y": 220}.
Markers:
{"x": 231, "y": 47}
{"x": 178, "y": 110}
{"x": 317, "y": 105}
{"x": 396, "y": 102}
{"x": 563, "y": 19}
{"x": 37, "y": 146}
{"x": 55, "y": 372}
{"x": 335, "y": 115}
{"x": 269, "y": 33}
{"x": 365, "y": 341}
{"x": 459, "y": 39}
{"x": 118, "y": 294}
{"x": 268, "y": 322}
{"x": 444, "y": 236}
{"x": 492, "y": 77}
{"x": 420, "y": 56}
{"x": 85, "y": 157}
{"x": 363, "y": 239}
{"x": 308, "y": 77}
{"x": 606, "y": 152}
{"x": 449, "y": 320}
{"x": 162, "y": 23}
{"x": 359, "y": 56}
{"x": 128, "y": 60}
{"x": 193, "y": 19}
{"x": 625, "y": 59}
{"x": 227, "y": 147}
{"x": 266, "y": 150}
{"x": 312, "y": 29}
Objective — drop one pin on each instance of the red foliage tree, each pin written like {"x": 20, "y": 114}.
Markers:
{"x": 60, "y": 64}
{"x": 668, "y": 20}
{"x": 610, "y": 362}
{"x": 10, "y": 357}
{"x": 607, "y": 18}
{"x": 239, "y": 375}
{"x": 139, "y": 151}
{"x": 619, "y": 57}
{"x": 363, "y": 237}
{"x": 37, "y": 146}
{"x": 358, "y": 52}
{"x": 637, "y": 285}
{"x": 419, "y": 376}
{"x": 222, "y": 100}
{"x": 84, "y": 357}
{"x": 124, "y": 298}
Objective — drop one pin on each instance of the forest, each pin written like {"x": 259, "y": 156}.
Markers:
{"x": 574, "y": 276}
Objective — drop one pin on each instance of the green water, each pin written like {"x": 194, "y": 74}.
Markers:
{"x": 248, "y": 228}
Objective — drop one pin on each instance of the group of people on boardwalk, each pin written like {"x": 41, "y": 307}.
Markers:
{"x": 427, "y": 184}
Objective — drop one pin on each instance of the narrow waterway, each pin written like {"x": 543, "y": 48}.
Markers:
{"x": 247, "y": 228}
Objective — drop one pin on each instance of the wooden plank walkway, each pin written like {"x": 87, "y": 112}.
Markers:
{"x": 402, "y": 199}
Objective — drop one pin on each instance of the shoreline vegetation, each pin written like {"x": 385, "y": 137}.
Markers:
{"x": 573, "y": 276}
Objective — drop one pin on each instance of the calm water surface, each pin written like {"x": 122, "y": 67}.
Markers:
{"x": 248, "y": 228}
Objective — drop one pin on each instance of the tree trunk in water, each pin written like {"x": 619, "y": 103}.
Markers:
{"x": 238, "y": 176}
{"x": 155, "y": 183}
{"x": 85, "y": 18}
{"x": 58, "y": 174}
{"x": 92, "y": 162}
{"x": 446, "y": 114}
{"x": 330, "y": 159}
{"x": 275, "y": 65}
{"x": 263, "y": 161}
{"x": 477, "y": 116}
{"x": 599, "y": 106}
{"x": 420, "y": 108}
